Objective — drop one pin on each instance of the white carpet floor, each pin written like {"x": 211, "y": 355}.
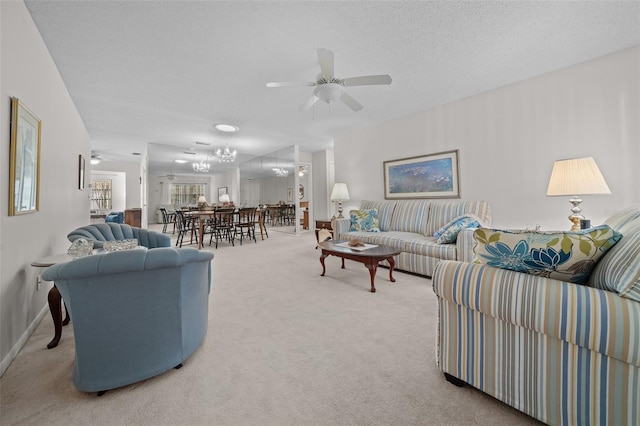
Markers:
{"x": 284, "y": 346}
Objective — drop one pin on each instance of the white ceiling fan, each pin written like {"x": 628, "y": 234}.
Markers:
{"x": 329, "y": 88}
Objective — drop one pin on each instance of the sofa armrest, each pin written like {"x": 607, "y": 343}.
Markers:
{"x": 599, "y": 320}
{"x": 464, "y": 245}
{"x": 340, "y": 226}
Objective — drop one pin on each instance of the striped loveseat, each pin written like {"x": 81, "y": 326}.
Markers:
{"x": 410, "y": 226}
{"x": 564, "y": 353}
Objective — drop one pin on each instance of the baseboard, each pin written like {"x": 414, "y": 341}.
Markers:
{"x": 15, "y": 350}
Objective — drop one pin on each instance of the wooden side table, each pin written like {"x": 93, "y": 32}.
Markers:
{"x": 323, "y": 224}
{"x": 54, "y": 298}
{"x": 133, "y": 217}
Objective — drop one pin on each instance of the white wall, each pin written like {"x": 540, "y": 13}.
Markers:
{"x": 118, "y": 189}
{"x": 323, "y": 167}
{"x": 28, "y": 72}
{"x": 509, "y": 138}
{"x": 133, "y": 192}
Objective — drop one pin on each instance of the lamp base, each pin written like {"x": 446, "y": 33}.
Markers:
{"x": 340, "y": 210}
{"x": 576, "y": 217}
{"x": 576, "y": 222}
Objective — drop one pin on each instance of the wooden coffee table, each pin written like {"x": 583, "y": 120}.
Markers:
{"x": 371, "y": 257}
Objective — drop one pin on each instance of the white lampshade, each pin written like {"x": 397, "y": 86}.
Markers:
{"x": 340, "y": 192}
{"x": 577, "y": 176}
{"x": 224, "y": 198}
{"x": 202, "y": 199}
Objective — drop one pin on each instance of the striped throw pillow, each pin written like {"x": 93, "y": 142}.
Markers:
{"x": 619, "y": 270}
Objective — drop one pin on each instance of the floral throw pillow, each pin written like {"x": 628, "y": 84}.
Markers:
{"x": 364, "y": 220}
{"x": 567, "y": 256}
{"x": 449, "y": 232}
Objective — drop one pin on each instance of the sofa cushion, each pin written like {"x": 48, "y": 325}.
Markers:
{"x": 410, "y": 216}
{"x": 619, "y": 270}
{"x": 385, "y": 211}
{"x": 408, "y": 242}
{"x": 449, "y": 232}
{"x": 389, "y": 238}
{"x": 622, "y": 217}
{"x": 567, "y": 256}
{"x": 441, "y": 213}
{"x": 364, "y": 220}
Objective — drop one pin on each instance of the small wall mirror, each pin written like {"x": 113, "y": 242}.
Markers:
{"x": 301, "y": 191}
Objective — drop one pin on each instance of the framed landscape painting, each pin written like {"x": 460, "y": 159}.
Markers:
{"x": 426, "y": 176}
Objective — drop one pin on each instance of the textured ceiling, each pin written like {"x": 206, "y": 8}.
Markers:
{"x": 164, "y": 72}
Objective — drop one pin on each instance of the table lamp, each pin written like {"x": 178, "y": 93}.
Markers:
{"x": 340, "y": 193}
{"x": 202, "y": 201}
{"x": 575, "y": 177}
{"x": 224, "y": 198}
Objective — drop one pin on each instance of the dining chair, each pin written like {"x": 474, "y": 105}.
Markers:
{"x": 222, "y": 226}
{"x": 246, "y": 224}
{"x": 168, "y": 218}
{"x": 185, "y": 225}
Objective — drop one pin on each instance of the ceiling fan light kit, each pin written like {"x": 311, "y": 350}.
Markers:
{"x": 329, "y": 88}
{"x": 329, "y": 92}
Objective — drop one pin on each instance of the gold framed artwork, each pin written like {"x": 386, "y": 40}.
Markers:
{"x": 24, "y": 160}
{"x": 425, "y": 176}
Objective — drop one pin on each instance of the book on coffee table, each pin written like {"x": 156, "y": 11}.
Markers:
{"x": 346, "y": 245}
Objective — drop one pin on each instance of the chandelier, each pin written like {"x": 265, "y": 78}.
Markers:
{"x": 201, "y": 166}
{"x": 226, "y": 156}
{"x": 281, "y": 172}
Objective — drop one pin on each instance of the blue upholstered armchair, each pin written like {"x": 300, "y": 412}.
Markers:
{"x": 115, "y": 217}
{"x": 101, "y": 232}
{"x": 135, "y": 313}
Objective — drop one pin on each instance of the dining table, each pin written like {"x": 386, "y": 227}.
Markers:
{"x": 208, "y": 214}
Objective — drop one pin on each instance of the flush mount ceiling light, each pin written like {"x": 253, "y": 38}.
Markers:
{"x": 227, "y": 128}
{"x": 95, "y": 160}
{"x": 180, "y": 161}
{"x": 226, "y": 155}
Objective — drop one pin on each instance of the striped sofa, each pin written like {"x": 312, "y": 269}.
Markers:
{"x": 564, "y": 353}
{"x": 410, "y": 225}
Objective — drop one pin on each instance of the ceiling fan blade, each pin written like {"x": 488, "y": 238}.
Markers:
{"x": 351, "y": 103}
{"x": 325, "y": 57}
{"x": 367, "y": 80}
{"x": 308, "y": 104}
{"x": 290, "y": 83}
